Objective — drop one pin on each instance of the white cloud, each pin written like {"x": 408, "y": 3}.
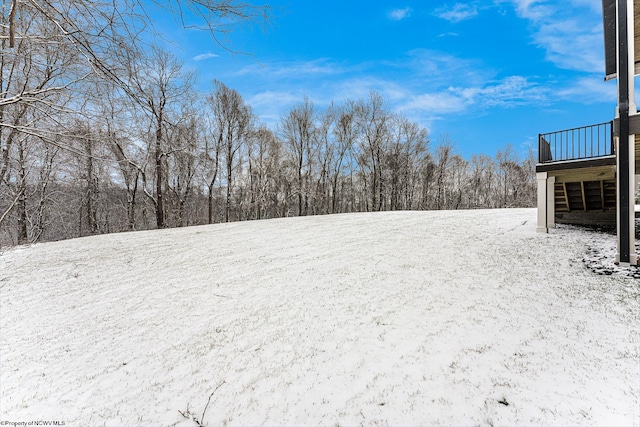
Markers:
{"x": 271, "y": 105}
{"x": 570, "y": 32}
{"x": 400, "y": 14}
{"x": 594, "y": 5}
{"x": 531, "y": 9}
{"x": 449, "y": 34}
{"x": 359, "y": 88}
{"x": 294, "y": 69}
{"x": 571, "y": 45}
{"x": 204, "y": 56}
{"x": 459, "y": 12}
{"x": 437, "y": 102}
{"x": 426, "y": 85}
{"x": 509, "y": 92}
{"x": 272, "y": 98}
{"x": 589, "y": 90}
{"x": 540, "y": 9}
{"x": 441, "y": 68}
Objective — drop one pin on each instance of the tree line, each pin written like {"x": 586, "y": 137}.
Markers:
{"x": 101, "y": 133}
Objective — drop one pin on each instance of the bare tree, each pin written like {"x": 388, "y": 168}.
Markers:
{"x": 373, "y": 131}
{"x": 264, "y": 165}
{"x": 105, "y": 35}
{"x": 481, "y": 181}
{"x": 325, "y": 153}
{"x": 458, "y": 183}
{"x": 161, "y": 86}
{"x": 29, "y": 72}
{"x": 528, "y": 182}
{"x": 408, "y": 145}
{"x": 23, "y": 235}
{"x": 130, "y": 172}
{"x": 232, "y": 121}
{"x": 509, "y": 174}
{"x": 298, "y": 130}
{"x": 444, "y": 153}
{"x": 183, "y": 166}
{"x": 345, "y": 134}
{"x": 119, "y": 134}
{"x": 88, "y": 178}
{"x": 210, "y": 165}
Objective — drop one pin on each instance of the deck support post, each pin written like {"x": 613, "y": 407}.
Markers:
{"x": 551, "y": 202}
{"x": 626, "y": 239}
{"x": 546, "y": 202}
{"x": 625, "y": 143}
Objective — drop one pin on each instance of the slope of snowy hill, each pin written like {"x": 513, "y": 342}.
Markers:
{"x": 400, "y": 318}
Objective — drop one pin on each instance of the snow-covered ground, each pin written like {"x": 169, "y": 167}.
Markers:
{"x": 401, "y": 318}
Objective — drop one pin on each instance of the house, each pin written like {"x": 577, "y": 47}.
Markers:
{"x": 587, "y": 175}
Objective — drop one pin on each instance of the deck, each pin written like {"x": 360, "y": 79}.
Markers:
{"x": 579, "y": 167}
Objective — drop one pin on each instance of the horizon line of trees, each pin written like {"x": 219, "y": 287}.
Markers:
{"x": 101, "y": 133}
{"x": 202, "y": 159}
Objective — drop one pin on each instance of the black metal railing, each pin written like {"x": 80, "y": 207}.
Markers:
{"x": 578, "y": 143}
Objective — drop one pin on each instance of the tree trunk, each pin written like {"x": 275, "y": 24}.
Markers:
{"x": 23, "y": 236}
{"x": 90, "y": 190}
{"x": 159, "y": 178}
{"x": 131, "y": 207}
{"x": 227, "y": 208}
{"x": 210, "y": 204}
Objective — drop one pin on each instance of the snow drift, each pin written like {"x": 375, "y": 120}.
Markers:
{"x": 402, "y": 318}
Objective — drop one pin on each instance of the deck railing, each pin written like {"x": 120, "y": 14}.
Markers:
{"x": 577, "y": 143}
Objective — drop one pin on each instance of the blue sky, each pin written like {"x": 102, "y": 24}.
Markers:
{"x": 487, "y": 73}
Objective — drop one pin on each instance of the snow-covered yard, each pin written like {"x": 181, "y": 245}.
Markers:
{"x": 400, "y": 318}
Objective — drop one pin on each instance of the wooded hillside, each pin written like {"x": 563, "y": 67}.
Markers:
{"x": 102, "y": 131}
